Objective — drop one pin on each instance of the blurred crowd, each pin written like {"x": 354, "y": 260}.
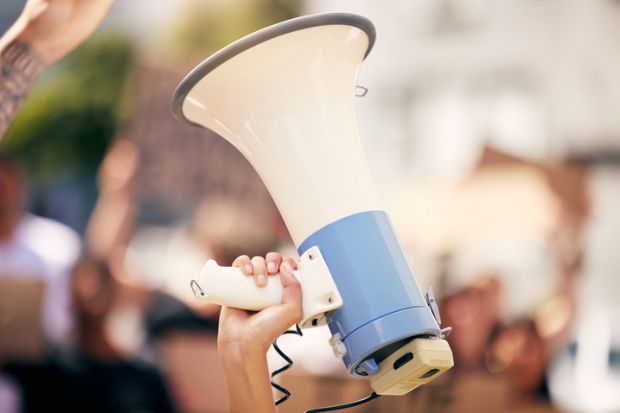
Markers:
{"x": 93, "y": 334}
{"x": 521, "y": 254}
{"x": 97, "y": 333}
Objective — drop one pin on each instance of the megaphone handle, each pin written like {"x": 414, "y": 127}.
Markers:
{"x": 230, "y": 287}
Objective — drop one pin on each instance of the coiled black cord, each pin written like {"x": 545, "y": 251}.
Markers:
{"x": 287, "y": 394}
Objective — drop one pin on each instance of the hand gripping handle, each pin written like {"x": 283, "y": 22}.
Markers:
{"x": 228, "y": 286}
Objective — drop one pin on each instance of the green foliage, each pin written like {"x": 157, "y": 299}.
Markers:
{"x": 70, "y": 118}
{"x": 210, "y": 26}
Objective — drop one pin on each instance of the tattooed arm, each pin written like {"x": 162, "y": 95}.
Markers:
{"x": 20, "y": 66}
{"x": 46, "y": 31}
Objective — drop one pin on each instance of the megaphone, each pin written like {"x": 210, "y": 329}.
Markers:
{"x": 284, "y": 96}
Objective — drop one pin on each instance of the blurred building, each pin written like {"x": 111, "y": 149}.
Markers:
{"x": 535, "y": 79}
{"x": 181, "y": 165}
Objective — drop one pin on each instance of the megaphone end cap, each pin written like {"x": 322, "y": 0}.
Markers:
{"x": 261, "y": 36}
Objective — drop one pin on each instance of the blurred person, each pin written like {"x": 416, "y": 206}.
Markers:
{"x": 155, "y": 267}
{"x": 166, "y": 258}
{"x": 36, "y": 247}
{"x": 243, "y": 337}
{"x": 94, "y": 374}
{"x": 111, "y": 222}
{"x": 522, "y": 350}
{"x": 473, "y": 313}
{"x": 184, "y": 337}
{"x": 513, "y": 341}
{"x": 503, "y": 358}
{"x": 507, "y": 357}
{"x": 475, "y": 383}
{"x": 152, "y": 323}
{"x": 45, "y": 32}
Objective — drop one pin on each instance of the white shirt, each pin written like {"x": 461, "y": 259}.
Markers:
{"x": 44, "y": 249}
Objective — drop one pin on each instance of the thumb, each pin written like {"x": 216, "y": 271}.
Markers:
{"x": 291, "y": 288}
{"x": 272, "y": 321}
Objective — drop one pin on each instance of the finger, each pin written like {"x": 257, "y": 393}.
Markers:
{"x": 244, "y": 263}
{"x": 273, "y": 262}
{"x": 260, "y": 271}
{"x": 291, "y": 261}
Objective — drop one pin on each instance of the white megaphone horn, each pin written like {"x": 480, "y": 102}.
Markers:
{"x": 285, "y": 98}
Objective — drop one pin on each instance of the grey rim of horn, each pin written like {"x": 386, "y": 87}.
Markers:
{"x": 251, "y": 40}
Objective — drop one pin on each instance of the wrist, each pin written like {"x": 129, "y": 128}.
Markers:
{"x": 23, "y": 34}
{"x": 247, "y": 378}
{"x": 25, "y": 31}
{"x": 241, "y": 351}
{"x": 18, "y": 34}
{"x": 236, "y": 353}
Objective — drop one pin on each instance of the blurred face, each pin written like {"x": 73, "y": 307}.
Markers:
{"x": 11, "y": 197}
{"x": 93, "y": 291}
{"x": 473, "y": 314}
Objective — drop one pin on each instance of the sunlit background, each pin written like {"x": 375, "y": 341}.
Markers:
{"x": 492, "y": 129}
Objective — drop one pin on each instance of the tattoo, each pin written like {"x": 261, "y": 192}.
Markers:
{"x": 20, "y": 67}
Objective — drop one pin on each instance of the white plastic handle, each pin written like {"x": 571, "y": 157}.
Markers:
{"x": 229, "y": 287}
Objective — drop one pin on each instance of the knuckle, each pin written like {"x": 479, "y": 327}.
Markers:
{"x": 242, "y": 259}
{"x": 273, "y": 255}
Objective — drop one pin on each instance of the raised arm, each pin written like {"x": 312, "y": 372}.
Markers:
{"x": 244, "y": 338}
{"x": 46, "y": 31}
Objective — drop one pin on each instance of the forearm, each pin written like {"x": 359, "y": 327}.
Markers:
{"x": 20, "y": 67}
{"x": 110, "y": 224}
{"x": 247, "y": 377}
